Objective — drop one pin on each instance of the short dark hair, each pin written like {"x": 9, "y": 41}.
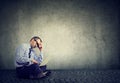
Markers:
{"x": 35, "y": 38}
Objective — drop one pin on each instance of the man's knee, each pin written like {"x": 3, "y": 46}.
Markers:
{"x": 43, "y": 67}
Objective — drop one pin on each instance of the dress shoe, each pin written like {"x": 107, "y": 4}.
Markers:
{"x": 47, "y": 72}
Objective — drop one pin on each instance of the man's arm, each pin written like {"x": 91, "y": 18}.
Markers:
{"x": 39, "y": 58}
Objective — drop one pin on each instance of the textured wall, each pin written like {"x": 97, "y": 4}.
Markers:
{"x": 76, "y": 33}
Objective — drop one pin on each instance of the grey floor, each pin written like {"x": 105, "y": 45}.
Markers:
{"x": 66, "y": 76}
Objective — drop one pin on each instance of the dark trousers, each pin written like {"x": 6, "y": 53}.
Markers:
{"x": 32, "y": 70}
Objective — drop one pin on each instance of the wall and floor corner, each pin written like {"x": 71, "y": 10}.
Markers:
{"x": 76, "y": 34}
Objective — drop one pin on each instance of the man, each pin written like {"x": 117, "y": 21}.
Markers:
{"x": 27, "y": 62}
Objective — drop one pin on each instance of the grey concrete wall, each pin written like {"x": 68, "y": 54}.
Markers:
{"x": 76, "y": 33}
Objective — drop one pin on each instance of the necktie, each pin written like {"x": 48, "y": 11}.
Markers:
{"x": 30, "y": 52}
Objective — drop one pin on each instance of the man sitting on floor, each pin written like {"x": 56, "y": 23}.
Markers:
{"x": 27, "y": 61}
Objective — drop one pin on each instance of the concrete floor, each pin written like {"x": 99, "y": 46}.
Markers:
{"x": 66, "y": 76}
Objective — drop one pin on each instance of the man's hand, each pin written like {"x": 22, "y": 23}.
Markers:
{"x": 34, "y": 61}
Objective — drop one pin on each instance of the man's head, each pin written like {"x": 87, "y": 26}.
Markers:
{"x": 36, "y": 42}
